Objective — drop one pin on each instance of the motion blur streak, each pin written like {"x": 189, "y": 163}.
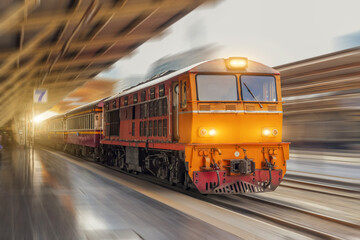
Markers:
{"x": 322, "y": 99}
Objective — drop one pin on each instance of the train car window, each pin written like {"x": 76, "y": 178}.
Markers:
{"x": 141, "y": 111}
{"x": 140, "y": 128}
{"x": 155, "y": 128}
{"x": 162, "y": 90}
{"x": 160, "y": 129}
{"x": 146, "y": 110}
{"x": 133, "y": 112}
{"x": 133, "y": 129}
{"x": 160, "y": 102}
{"x": 107, "y": 106}
{"x": 216, "y": 88}
{"x": 126, "y": 100}
{"x": 150, "y": 129}
{"x": 135, "y": 98}
{"x": 258, "y": 88}
{"x": 165, "y": 127}
{"x": 183, "y": 94}
{"x": 114, "y": 104}
{"x": 152, "y": 93}
{"x": 145, "y": 129}
{"x": 114, "y": 121}
{"x": 156, "y": 108}
{"x": 143, "y": 96}
{"x": 151, "y": 109}
{"x": 164, "y": 107}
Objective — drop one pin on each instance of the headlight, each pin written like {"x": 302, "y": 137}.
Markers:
{"x": 212, "y": 132}
{"x": 236, "y": 63}
{"x": 207, "y": 132}
{"x": 269, "y": 132}
{"x": 266, "y": 132}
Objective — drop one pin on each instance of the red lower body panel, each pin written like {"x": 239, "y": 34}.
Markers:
{"x": 210, "y": 183}
{"x": 84, "y": 139}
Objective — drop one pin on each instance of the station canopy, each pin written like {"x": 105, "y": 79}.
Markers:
{"x": 58, "y": 45}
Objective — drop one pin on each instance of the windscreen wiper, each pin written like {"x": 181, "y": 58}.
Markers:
{"x": 253, "y": 95}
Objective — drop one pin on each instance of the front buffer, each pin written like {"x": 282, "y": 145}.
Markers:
{"x": 217, "y": 182}
{"x": 237, "y": 169}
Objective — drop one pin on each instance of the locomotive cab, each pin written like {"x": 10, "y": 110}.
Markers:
{"x": 230, "y": 118}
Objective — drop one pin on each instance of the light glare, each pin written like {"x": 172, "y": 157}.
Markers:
{"x": 266, "y": 132}
{"x": 212, "y": 132}
{"x": 237, "y": 63}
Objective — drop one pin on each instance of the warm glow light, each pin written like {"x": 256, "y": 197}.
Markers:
{"x": 207, "y": 132}
{"x": 212, "y": 132}
{"x": 237, "y": 63}
{"x": 266, "y": 132}
{"x": 38, "y": 119}
{"x": 43, "y": 116}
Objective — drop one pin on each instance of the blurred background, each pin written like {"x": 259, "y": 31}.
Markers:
{"x": 317, "y": 56}
{"x": 314, "y": 44}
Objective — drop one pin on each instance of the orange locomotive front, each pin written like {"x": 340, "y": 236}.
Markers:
{"x": 223, "y": 130}
{"x": 231, "y": 123}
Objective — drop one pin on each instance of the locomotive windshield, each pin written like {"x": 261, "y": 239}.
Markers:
{"x": 217, "y": 88}
{"x": 258, "y": 88}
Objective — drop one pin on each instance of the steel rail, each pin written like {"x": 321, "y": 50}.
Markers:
{"x": 340, "y": 192}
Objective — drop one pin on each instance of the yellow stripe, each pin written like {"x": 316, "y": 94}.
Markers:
{"x": 88, "y": 132}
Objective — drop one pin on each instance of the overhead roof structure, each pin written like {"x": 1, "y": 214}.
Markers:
{"x": 60, "y": 44}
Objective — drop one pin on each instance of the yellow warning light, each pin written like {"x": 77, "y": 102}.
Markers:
{"x": 237, "y": 63}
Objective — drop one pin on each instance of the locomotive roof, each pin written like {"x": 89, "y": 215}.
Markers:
{"x": 212, "y": 66}
{"x": 89, "y": 106}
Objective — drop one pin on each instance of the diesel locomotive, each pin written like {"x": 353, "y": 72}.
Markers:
{"x": 216, "y": 125}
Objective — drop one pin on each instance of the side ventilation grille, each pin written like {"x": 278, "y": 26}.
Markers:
{"x": 204, "y": 107}
{"x": 272, "y": 108}
{"x": 249, "y": 107}
{"x": 230, "y": 107}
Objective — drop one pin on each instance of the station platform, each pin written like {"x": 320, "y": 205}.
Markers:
{"x": 44, "y": 196}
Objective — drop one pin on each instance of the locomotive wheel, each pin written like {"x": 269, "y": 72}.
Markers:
{"x": 187, "y": 181}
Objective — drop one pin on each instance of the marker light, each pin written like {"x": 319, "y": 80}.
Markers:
{"x": 212, "y": 132}
{"x": 266, "y": 132}
{"x": 275, "y": 132}
{"x": 237, "y": 63}
{"x": 203, "y": 132}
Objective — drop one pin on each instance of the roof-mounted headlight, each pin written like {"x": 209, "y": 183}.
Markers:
{"x": 235, "y": 63}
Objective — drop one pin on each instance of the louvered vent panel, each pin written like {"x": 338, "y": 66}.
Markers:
{"x": 272, "y": 108}
{"x": 204, "y": 107}
{"x": 230, "y": 107}
{"x": 249, "y": 108}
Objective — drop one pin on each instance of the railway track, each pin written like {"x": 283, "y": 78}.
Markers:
{"x": 258, "y": 214}
{"x": 231, "y": 202}
{"x": 319, "y": 187}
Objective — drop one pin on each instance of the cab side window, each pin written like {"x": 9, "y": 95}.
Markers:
{"x": 183, "y": 94}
